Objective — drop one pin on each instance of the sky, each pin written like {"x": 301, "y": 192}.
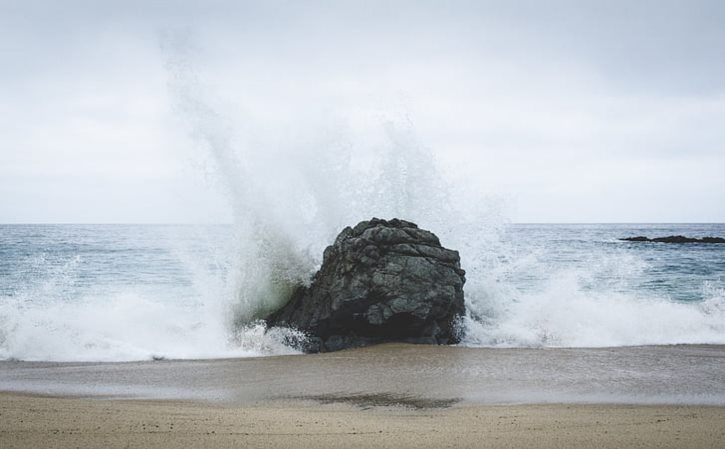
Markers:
{"x": 561, "y": 111}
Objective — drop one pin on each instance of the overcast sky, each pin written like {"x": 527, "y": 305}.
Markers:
{"x": 564, "y": 111}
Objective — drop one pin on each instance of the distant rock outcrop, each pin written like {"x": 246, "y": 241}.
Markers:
{"x": 675, "y": 239}
{"x": 381, "y": 281}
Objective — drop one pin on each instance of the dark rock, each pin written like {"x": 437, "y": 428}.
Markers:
{"x": 381, "y": 281}
{"x": 637, "y": 239}
{"x": 712, "y": 240}
{"x": 675, "y": 239}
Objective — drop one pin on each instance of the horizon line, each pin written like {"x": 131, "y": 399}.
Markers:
{"x": 141, "y": 223}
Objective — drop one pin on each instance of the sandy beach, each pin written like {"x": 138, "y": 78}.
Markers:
{"x": 384, "y": 396}
{"x": 51, "y": 422}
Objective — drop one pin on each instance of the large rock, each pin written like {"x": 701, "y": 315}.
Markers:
{"x": 381, "y": 281}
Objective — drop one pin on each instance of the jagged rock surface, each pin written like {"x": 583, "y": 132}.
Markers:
{"x": 381, "y": 281}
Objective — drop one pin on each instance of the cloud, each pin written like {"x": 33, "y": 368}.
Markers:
{"x": 549, "y": 104}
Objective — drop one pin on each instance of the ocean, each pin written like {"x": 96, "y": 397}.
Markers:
{"x": 143, "y": 292}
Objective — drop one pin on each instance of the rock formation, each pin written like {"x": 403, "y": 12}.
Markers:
{"x": 381, "y": 281}
{"x": 675, "y": 239}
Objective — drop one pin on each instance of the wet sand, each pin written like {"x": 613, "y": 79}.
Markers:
{"x": 683, "y": 374}
{"x": 386, "y": 396}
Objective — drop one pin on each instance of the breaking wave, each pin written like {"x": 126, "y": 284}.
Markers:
{"x": 289, "y": 197}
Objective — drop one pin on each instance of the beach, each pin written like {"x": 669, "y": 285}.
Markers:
{"x": 52, "y": 422}
{"x": 385, "y": 396}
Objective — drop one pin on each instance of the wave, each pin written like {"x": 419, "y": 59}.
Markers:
{"x": 567, "y": 314}
{"x": 134, "y": 326}
{"x": 128, "y": 327}
{"x": 289, "y": 198}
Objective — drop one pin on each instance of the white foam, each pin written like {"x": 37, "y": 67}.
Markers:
{"x": 126, "y": 327}
{"x": 565, "y": 313}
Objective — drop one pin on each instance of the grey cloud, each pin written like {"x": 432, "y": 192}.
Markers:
{"x": 484, "y": 82}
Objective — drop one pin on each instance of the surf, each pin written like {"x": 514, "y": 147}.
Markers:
{"x": 290, "y": 190}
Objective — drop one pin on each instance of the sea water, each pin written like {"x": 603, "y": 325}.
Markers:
{"x": 136, "y": 292}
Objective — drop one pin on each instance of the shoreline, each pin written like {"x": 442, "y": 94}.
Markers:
{"x": 31, "y": 421}
{"x": 678, "y": 375}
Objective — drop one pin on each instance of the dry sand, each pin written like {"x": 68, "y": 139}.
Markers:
{"x": 51, "y": 422}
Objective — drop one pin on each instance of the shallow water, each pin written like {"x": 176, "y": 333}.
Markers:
{"x": 402, "y": 375}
